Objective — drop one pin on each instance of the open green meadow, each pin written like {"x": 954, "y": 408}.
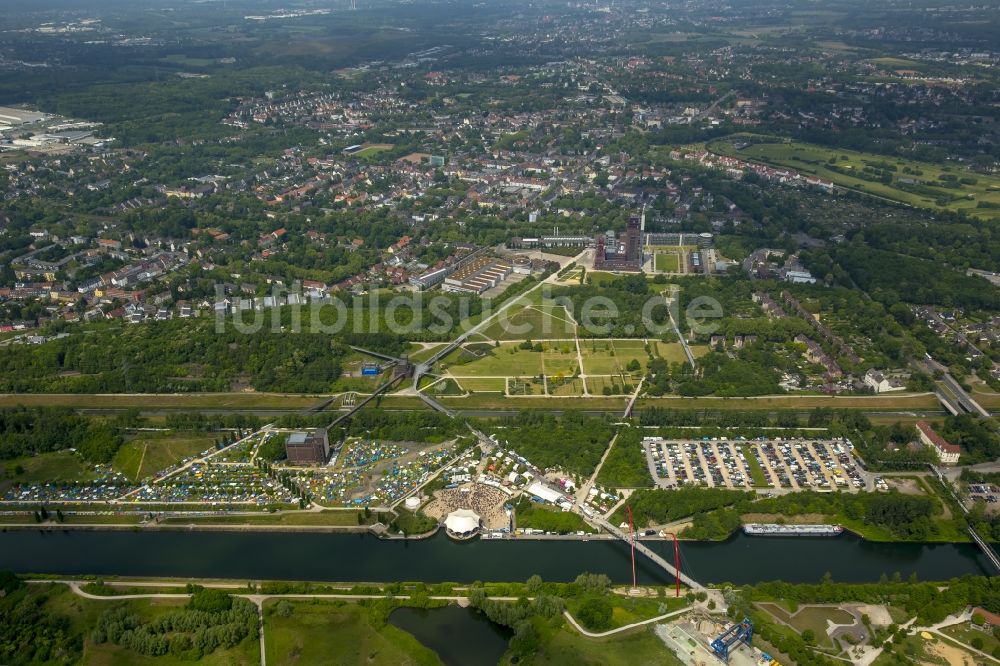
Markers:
{"x": 151, "y": 452}
{"x": 533, "y": 321}
{"x": 336, "y": 632}
{"x": 920, "y": 184}
{"x": 565, "y": 646}
{"x": 55, "y": 467}
{"x": 667, "y": 262}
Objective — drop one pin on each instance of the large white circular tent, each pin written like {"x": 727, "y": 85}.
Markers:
{"x": 462, "y": 524}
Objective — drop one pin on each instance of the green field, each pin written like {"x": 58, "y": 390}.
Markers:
{"x": 534, "y": 321}
{"x": 668, "y": 262}
{"x": 335, "y": 632}
{"x": 56, "y": 467}
{"x": 811, "y": 617}
{"x": 844, "y": 167}
{"x": 151, "y": 452}
{"x": 372, "y": 149}
{"x": 504, "y": 361}
{"x": 478, "y": 384}
{"x": 564, "y": 646}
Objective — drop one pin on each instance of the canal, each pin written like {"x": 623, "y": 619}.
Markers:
{"x": 277, "y": 555}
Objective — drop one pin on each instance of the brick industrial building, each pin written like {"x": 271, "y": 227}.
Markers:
{"x": 307, "y": 448}
{"x": 628, "y": 258}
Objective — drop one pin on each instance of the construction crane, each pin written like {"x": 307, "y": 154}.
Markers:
{"x": 741, "y": 632}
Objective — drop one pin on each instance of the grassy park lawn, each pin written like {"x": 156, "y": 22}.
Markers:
{"x": 964, "y": 633}
{"x": 151, "y": 452}
{"x": 606, "y": 357}
{"x": 482, "y": 384}
{"x": 419, "y": 353}
{"x": 504, "y": 361}
{"x": 629, "y": 610}
{"x": 926, "y": 177}
{"x": 668, "y": 262}
{"x": 811, "y": 617}
{"x": 334, "y": 632}
{"x": 557, "y": 362}
{"x": 535, "y": 322}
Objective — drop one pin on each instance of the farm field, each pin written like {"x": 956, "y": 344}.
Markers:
{"x": 915, "y": 183}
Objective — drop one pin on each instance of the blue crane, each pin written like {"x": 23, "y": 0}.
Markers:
{"x": 742, "y": 632}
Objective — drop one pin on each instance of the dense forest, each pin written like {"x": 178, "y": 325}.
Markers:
{"x": 26, "y": 431}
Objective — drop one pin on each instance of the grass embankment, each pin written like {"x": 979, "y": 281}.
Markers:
{"x": 756, "y": 473}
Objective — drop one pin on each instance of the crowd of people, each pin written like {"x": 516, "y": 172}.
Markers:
{"x": 486, "y": 500}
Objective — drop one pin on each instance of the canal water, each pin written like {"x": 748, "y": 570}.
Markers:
{"x": 360, "y": 557}
{"x": 460, "y": 636}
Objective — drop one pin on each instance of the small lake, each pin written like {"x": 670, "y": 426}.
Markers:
{"x": 460, "y": 636}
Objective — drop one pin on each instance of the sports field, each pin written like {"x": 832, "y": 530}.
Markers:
{"x": 911, "y": 182}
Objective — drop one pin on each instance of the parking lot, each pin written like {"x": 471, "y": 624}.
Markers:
{"x": 983, "y": 492}
{"x": 789, "y": 464}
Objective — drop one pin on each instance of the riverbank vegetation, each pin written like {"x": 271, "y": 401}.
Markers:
{"x": 548, "y": 519}
{"x": 716, "y": 513}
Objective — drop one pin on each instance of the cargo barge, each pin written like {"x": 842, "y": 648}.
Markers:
{"x": 773, "y": 529}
